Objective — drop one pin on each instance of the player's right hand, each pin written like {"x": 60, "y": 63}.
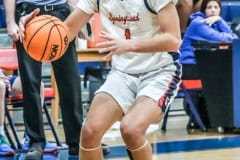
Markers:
{"x": 113, "y": 45}
{"x": 24, "y": 20}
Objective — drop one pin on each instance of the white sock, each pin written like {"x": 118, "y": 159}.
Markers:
{"x": 2, "y": 131}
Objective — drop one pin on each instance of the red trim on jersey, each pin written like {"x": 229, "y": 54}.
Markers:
{"x": 163, "y": 102}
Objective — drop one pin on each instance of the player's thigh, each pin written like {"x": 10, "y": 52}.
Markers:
{"x": 103, "y": 112}
{"x": 145, "y": 111}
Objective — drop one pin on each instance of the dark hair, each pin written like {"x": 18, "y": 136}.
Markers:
{"x": 205, "y": 2}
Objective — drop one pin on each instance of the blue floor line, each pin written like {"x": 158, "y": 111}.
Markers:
{"x": 197, "y": 145}
{"x": 183, "y": 146}
{"x": 158, "y": 148}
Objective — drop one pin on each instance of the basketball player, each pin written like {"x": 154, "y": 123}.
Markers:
{"x": 66, "y": 74}
{"x": 142, "y": 38}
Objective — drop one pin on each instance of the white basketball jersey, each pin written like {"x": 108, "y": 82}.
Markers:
{"x": 42, "y": 2}
{"x": 131, "y": 19}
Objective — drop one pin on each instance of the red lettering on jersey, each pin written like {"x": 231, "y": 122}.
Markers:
{"x": 127, "y": 34}
{"x": 123, "y": 19}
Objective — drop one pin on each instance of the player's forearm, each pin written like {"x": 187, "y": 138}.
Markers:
{"x": 159, "y": 43}
{"x": 168, "y": 39}
{"x": 10, "y": 7}
{"x": 75, "y": 21}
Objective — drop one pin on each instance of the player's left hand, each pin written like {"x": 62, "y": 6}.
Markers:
{"x": 113, "y": 45}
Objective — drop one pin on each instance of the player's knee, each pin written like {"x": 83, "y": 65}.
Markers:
{"x": 129, "y": 130}
{"x": 91, "y": 132}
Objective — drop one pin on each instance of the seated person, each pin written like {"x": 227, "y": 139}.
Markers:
{"x": 205, "y": 25}
{"x": 11, "y": 85}
{"x": 5, "y": 149}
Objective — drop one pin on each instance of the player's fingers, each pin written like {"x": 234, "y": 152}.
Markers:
{"x": 106, "y": 36}
{"x": 107, "y": 49}
{"x": 31, "y": 15}
{"x": 108, "y": 57}
{"x": 24, "y": 20}
{"x": 35, "y": 12}
{"x": 105, "y": 44}
{"x": 21, "y": 32}
{"x": 103, "y": 36}
{"x": 103, "y": 50}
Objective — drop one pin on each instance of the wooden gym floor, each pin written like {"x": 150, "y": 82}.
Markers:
{"x": 174, "y": 144}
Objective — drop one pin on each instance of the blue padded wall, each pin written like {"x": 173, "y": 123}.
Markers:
{"x": 230, "y": 10}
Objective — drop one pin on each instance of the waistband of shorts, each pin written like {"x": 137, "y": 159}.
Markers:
{"x": 45, "y": 8}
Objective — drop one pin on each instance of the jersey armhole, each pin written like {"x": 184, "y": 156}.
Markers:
{"x": 98, "y": 1}
{"x": 149, "y": 7}
{"x": 145, "y": 2}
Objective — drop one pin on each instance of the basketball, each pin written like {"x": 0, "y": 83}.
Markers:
{"x": 46, "y": 38}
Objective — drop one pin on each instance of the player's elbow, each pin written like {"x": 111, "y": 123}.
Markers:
{"x": 175, "y": 44}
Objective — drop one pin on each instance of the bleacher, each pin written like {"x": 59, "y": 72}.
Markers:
{"x": 230, "y": 9}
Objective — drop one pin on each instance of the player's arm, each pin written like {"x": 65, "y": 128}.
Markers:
{"x": 23, "y": 21}
{"x": 168, "y": 39}
{"x": 75, "y": 21}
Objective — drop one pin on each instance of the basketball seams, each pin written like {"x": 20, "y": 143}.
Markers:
{"x": 35, "y": 33}
{"x": 46, "y": 38}
{"x": 63, "y": 48}
{"x": 46, "y": 44}
{"x": 56, "y": 25}
{"x": 36, "y": 21}
{"x": 61, "y": 38}
{"x": 39, "y": 19}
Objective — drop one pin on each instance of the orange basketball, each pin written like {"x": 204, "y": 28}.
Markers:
{"x": 46, "y": 38}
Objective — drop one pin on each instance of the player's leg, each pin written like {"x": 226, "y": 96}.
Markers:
{"x": 104, "y": 111}
{"x": 107, "y": 107}
{"x": 156, "y": 91}
{"x": 144, "y": 112}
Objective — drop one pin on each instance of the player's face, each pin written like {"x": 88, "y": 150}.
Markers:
{"x": 212, "y": 9}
